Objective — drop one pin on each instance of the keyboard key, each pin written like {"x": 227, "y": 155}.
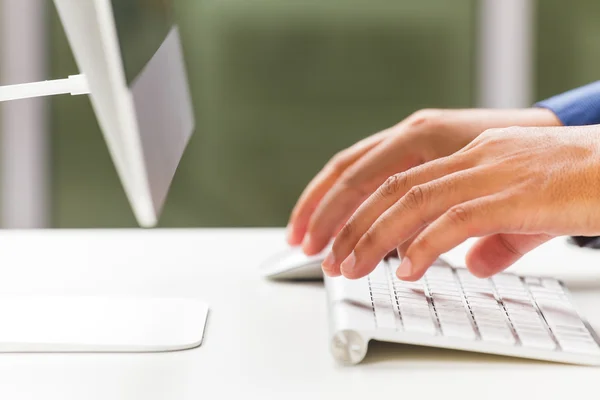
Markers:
{"x": 415, "y": 311}
{"x": 410, "y": 298}
{"x": 499, "y": 334}
{"x": 488, "y": 317}
{"x": 413, "y": 301}
{"x": 521, "y": 314}
{"x": 537, "y": 341}
{"x": 552, "y": 284}
{"x": 453, "y": 314}
{"x": 505, "y": 290}
{"x": 416, "y": 315}
{"x": 384, "y": 314}
{"x": 483, "y": 302}
{"x": 439, "y": 271}
{"x": 453, "y": 295}
{"x": 530, "y": 325}
{"x": 444, "y": 301}
{"x": 517, "y": 303}
{"x": 515, "y": 299}
{"x": 544, "y": 289}
{"x": 507, "y": 280}
{"x": 448, "y": 281}
{"x": 555, "y": 319}
{"x": 421, "y": 292}
{"x": 490, "y": 320}
{"x": 379, "y": 274}
{"x": 442, "y": 282}
{"x": 577, "y": 337}
{"x": 422, "y": 304}
{"x": 487, "y": 310}
{"x": 422, "y": 324}
{"x": 579, "y": 330}
{"x": 533, "y": 281}
{"x": 580, "y": 346}
{"x": 380, "y": 292}
{"x": 459, "y": 330}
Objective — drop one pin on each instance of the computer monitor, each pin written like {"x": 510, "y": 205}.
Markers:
{"x": 130, "y": 52}
{"x": 131, "y": 63}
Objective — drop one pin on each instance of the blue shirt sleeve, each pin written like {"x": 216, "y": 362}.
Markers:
{"x": 579, "y": 106}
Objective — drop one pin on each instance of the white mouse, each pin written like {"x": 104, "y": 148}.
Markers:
{"x": 293, "y": 264}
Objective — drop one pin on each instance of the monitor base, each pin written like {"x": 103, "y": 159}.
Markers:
{"x": 100, "y": 324}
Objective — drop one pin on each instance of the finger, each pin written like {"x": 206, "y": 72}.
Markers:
{"x": 322, "y": 182}
{"x": 337, "y": 205}
{"x": 420, "y": 206}
{"x": 387, "y": 195}
{"x": 484, "y": 216}
{"x": 354, "y": 186}
{"x": 493, "y": 254}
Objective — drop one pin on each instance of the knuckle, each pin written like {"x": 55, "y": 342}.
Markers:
{"x": 509, "y": 247}
{"x": 422, "y": 244}
{"x": 415, "y": 198}
{"x": 484, "y": 138}
{"x": 425, "y": 118}
{"x": 372, "y": 239}
{"x": 369, "y": 238}
{"x": 459, "y": 215}
{"x": 494, "y": 136}
{"x": 492, "y": 132}
{"x": 347, "y": 231}
{"x": 338, "y": 162}
{"x": 394, "y": 184}
{"x": 349, "y": 181}
{"x": 376, "y": 240}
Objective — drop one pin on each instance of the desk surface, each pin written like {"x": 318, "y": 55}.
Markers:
{"x": 263, "y": 339}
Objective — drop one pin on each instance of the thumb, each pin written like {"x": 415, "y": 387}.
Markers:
{"x": 493, "y": 254}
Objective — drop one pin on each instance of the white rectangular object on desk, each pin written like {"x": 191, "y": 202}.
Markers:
{"x": 507, "y": 314}
{"x": 100, "y": 324}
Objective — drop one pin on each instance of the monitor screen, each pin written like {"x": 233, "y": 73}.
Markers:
{"x": 142, "y": 26}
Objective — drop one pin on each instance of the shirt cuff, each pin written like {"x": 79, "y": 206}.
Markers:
{"x": 579, "y": 106}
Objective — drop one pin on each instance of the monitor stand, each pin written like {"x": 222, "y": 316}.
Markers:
{"x": 100, "y": 324}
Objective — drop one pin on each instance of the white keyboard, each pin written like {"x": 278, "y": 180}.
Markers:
{"x": 506, "y": 314}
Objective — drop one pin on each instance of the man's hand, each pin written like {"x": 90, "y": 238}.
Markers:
{"x": 515, "y": 188}
{"x": 355, "y": 173}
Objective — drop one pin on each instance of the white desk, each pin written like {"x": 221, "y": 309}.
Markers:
{"x": 263, "y": 339}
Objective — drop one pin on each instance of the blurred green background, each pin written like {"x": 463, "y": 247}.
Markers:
{"x": 279, "y": 86}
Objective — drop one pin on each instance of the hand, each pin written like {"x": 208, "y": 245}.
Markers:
{"x": 355, "y": 173}
{"x": 515, "y": 188}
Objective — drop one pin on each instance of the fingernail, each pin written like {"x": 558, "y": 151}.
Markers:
{"x": 349, "y": 263}
{"x": 405, "y": 268}
{"x": 289, "y": 231}
{"x": 329, "y": 260}
{"x": 331, "y": 273}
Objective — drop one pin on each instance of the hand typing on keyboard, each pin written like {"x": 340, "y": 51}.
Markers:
{"x": 355, "y": 173}
{"x": 515, "y": 188}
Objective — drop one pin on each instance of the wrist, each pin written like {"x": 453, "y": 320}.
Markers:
{"x": 542, "y": 117}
